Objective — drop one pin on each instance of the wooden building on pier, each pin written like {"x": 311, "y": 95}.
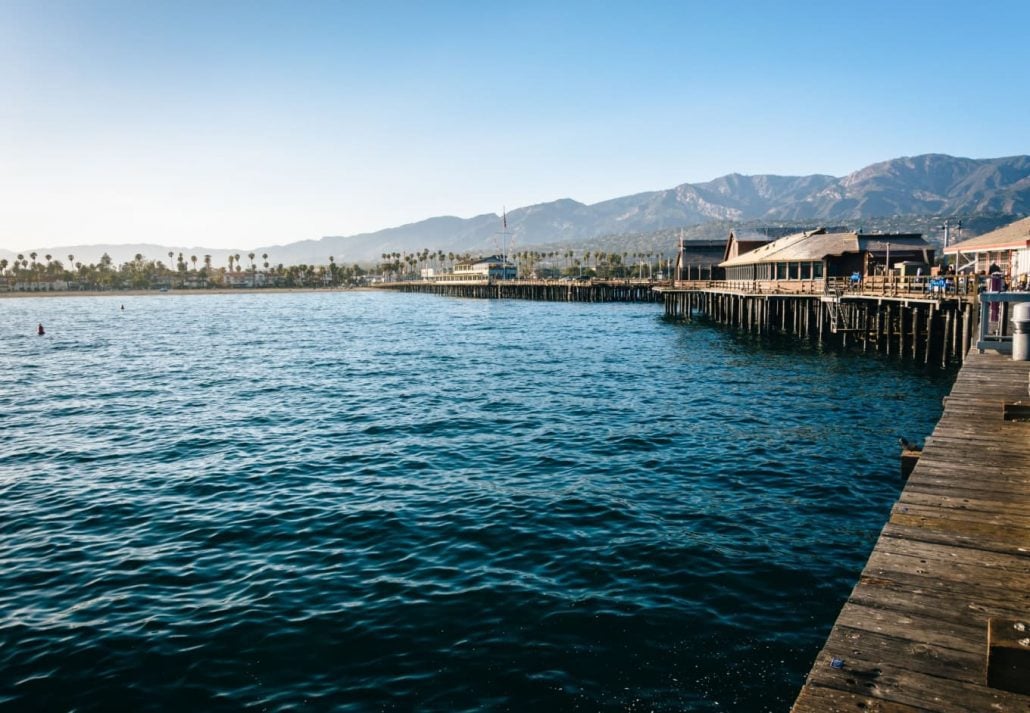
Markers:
{"x": 699, "y": 259}
{"x": 804, "y": 261}
{"x": 1007, "y": 248}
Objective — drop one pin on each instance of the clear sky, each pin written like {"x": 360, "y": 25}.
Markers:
{"x": 244, "y": 124}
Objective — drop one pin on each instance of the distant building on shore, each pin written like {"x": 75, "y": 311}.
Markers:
{"x": 483, "y": 268}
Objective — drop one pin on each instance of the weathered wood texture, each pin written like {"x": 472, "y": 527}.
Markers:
{"x": 913, "y": 635}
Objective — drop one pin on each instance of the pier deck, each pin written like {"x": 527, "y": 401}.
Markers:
{"x": 913, "y": 635}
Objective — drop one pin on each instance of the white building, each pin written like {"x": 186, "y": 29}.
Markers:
{"x": 481, "y": 269}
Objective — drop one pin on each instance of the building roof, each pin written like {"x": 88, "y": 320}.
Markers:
{"x": 1012, "y": 236}
{"x": 493, "y": 259}
{"x": 744, "y": 245}
{"x": 818, "y": 245}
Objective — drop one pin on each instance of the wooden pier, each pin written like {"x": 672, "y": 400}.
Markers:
{"x": 935, "y": 329}
{"x": 541, "y": 290}
{"x": 952, "y": 563}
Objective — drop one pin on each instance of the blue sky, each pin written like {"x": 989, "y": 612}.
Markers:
{"x": 246, "y": 124}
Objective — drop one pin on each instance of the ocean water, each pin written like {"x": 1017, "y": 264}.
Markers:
{"x": 384, "y": 502}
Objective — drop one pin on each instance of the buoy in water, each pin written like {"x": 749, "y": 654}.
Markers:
{"x": 40, "y": 331}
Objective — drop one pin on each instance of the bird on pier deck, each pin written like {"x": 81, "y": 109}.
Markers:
{"x": 908, "y": 445}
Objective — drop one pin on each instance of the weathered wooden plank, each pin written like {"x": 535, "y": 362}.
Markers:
{"x": 960, "y": 600}
{"x": 955, "y": 558}
{"x": 1016, "y": 520}
{"x": 973, "y": 506}
{"x": 817, "y": 699}
{"x": 975, "y": 543}
{"x": 945, "y": 573}
{"x": 999, "y": 486}
{"x": 914, "y": 627}
{"x": 906, "y": 654}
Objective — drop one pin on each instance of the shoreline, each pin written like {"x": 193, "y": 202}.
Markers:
{"x": 169, "y": 293}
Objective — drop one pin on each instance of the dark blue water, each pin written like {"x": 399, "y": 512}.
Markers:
{"x": 366, "y": 502}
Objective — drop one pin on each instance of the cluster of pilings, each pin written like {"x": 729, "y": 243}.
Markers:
{"x": 546, "y": 291}
{"x": 934, "y": 331}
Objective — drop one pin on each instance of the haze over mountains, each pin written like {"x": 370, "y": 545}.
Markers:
{"x": 927, "y": 185}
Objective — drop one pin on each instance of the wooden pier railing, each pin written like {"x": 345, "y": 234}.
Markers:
{"x": 912, "y": 287}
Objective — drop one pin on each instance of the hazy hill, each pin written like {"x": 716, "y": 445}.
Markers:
{"x": 933, "y": 186}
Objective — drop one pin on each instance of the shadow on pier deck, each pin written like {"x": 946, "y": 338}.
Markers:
{"x": 954, "y": 557}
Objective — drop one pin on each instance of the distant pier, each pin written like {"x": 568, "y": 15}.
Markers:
{"x": 591, "y": 290}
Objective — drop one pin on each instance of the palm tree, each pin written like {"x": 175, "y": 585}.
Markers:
{"x": 237, "y": 256}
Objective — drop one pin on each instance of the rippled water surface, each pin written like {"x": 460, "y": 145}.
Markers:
{"x": 365, "y": 501}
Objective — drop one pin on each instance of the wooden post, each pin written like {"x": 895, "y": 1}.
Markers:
{"x": 930, "y": 315}
{"x": 915, "y": 333}
{"x": 901, "y": 330}
{"x": 888, "y": 334}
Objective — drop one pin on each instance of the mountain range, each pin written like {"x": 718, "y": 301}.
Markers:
{"x": 934, "y": 185}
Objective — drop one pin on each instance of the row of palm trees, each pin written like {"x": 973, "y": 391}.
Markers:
{"x": 552, "y": 263}
{"x": 198, "y": 271}
{"x": 27, "y": 273}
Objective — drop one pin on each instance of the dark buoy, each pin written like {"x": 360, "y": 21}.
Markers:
{"x": 40, "y": 331}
